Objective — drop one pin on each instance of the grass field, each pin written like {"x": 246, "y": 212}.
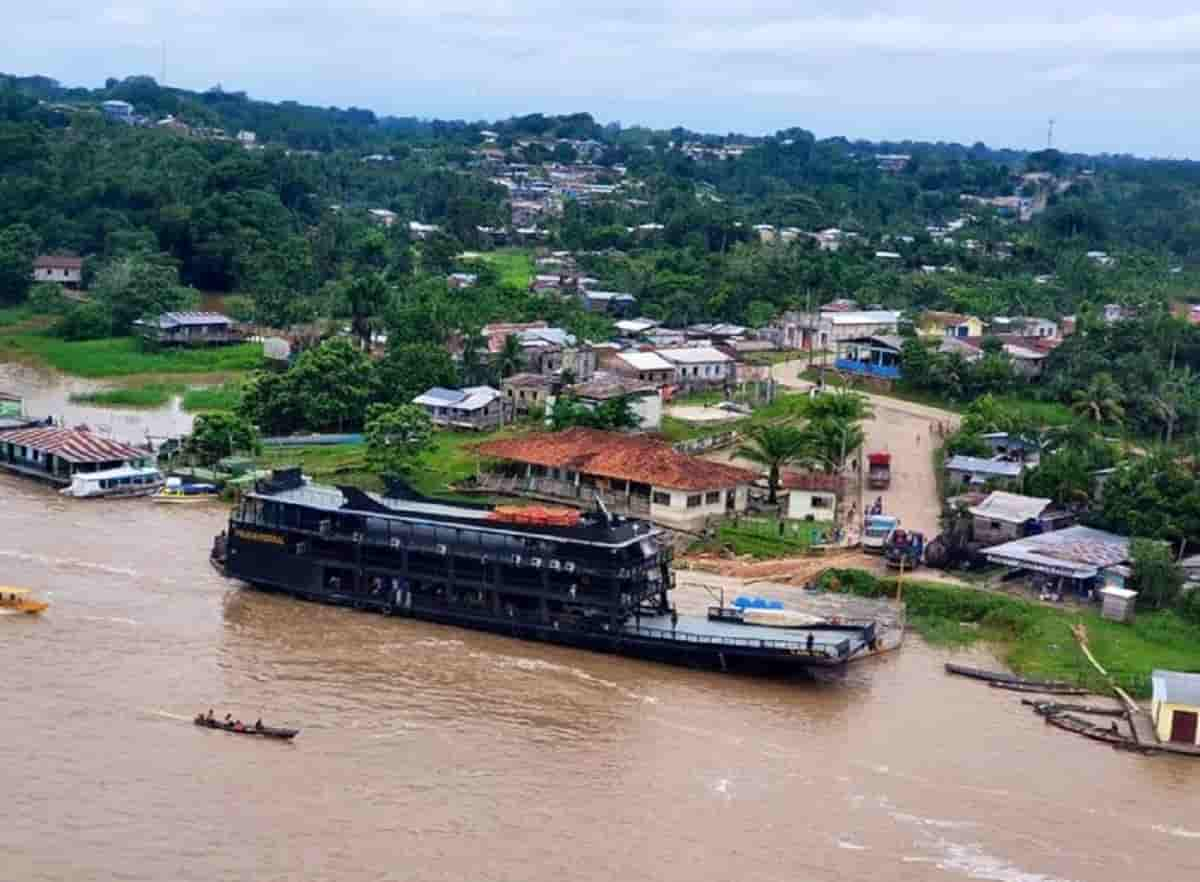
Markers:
{"x": 124, "y": 356}
{"x": 1036, "y": 640}
{"x": 149, "y": 395}
{"x": 223, "y": 397}
{"x": 780, "y": 409}
{"x": 514, "y": 265}
{"x": 761, "y": 538}
{"x": 451, "y": 459}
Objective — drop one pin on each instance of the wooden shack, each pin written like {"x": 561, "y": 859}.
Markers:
{"x": 1175, "y": 707}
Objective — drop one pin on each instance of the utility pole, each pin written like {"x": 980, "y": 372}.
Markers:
{"x": 1050, "y": 135}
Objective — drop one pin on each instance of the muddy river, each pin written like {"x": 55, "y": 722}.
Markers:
{"x": 432, "y": 753}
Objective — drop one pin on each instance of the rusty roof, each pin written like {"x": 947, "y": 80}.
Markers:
{"x": 58, "y": 261}
{"x": 623, "y": 457}
{"x": 73, "y": 445}
{"x": 812, "y": 481}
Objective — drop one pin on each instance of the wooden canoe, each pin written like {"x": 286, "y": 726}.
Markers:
{"x": 261, "y": 732}
{"x": 1001, "y": 677}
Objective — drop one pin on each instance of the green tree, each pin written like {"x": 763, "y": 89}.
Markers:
{"x": 1156, "y": 576}
{"x": 830, "y": 442}
{"x": 219, "y": 434}
{"x": 511, "y": 357}
{"x": 409, "y": 369}
{"x": 365, "y": 296}
{"x": 18, "y": 247}
{"x": 395, "y": 435}
{"x": 774, "y": 447}
{"x": 86, "y": 321}
{"x": 326, "y": 390}
{"x": 1100, "y": 402}
{"x": 140, "y": 287}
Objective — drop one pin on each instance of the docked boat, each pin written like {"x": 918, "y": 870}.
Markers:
{"x": 593, "y": 580}
{"x": 20, "y": 600}
{"x": 176, "y": 492}
{"x": 123, "y": 481}
{"x": 256, "y": 730}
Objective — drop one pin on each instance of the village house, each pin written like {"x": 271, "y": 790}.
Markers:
{"x": 647, "y": 367}
{"x": 56, "y": 454}
{"x": 1175, "y": 707}
{"x": 480, "y": 408}
{"x": 971, "y": 472}
{"x": 645, "y": 398}
{"x": 457, "y": 281}
{"x": 875, "y": 356}
{"x": 382, "y": 216}
{"x": 422, "y": 231}
{"x": 635, "y": 327}
{"x": 613, "y": 303}
{"x": 630, "y": 473}
{"x": 949, "y": 324}
{"x": 528, "y": 391}
{"x": 1002, "y": 517}
{"x": 64, "y": 270}
{"x": 189, "y": 329}
{"x": 699, "y": 367}
{"x": 812, "y": 496}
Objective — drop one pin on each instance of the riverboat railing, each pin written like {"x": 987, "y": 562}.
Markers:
{"x": 820, "y": 648}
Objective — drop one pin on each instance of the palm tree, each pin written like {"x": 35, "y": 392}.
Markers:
{"x": 843, "y": 405}
{"x": 511, "y": 356}
{"x": 773, "y": 447}
{"x": 830, "y": 441}
{"x": 1100, "y": 402}
{"x": 1175, "y": 395}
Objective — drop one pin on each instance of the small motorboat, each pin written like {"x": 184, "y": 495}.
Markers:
{"x": 20, "y": 600}
{"x": 175, "y": 492}
{"x": 239, "y": 728}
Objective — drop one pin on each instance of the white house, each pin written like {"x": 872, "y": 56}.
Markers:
{"x": 811, "y": 496}
{"x": 474, "y": 407}
{"x": 699, "y": 365}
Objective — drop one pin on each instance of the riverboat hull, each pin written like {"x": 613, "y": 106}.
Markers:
{"x": 646, "y": 639}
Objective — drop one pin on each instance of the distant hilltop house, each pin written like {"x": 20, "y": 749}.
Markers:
{"x": 949, "y": 324}
{"x": 189, "y": 329}
{"x": 64, "y": 270}
{"x": 382, "y": 216}
{"x": 422, "y": 231}
{"x": 121, "y": 111}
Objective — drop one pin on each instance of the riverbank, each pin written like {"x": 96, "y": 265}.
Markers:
{"x": 1036, "y": 640}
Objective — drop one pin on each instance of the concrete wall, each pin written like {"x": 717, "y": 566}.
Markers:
{"x": 679, "y": 514}
{"x": 819, "y": 504}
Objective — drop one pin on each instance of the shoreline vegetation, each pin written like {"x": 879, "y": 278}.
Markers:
{"x": 124, "y": 356}
{"x": 205, "y": 399}
{"x": 1033, "y": 639}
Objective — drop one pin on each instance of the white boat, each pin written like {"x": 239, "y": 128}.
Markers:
{"x": 122, "y": 481}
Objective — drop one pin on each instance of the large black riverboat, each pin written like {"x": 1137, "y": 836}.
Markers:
{"x": 590, "y": 579}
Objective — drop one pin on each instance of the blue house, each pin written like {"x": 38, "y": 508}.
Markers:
{"x": 875, "y": 356}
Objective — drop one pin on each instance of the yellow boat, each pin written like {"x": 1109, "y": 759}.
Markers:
{"x": 20, "y": 600}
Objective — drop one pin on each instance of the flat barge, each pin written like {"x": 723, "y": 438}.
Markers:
{"x": 590, "y": 580}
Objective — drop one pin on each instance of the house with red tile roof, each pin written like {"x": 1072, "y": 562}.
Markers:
{"x": 638, "y": 473}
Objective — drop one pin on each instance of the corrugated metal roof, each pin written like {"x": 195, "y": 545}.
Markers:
{"x": 171, "y": 319}
{"x": 1173, "y": 687}
{"x": 1078, "y": 552}
{"x": 73, "y": 445}
{"x": 645, "y": 361}
{"x": 980, "y": 466}
{"x": 1012, "y": 508}
{"x": 694, "y": 355}
{"x": 865, "y": 317}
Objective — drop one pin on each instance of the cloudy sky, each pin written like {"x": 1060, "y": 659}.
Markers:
{"x": 1117, "y": 77}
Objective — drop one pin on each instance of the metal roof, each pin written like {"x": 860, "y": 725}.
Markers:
{"x": 976, "y": 465}
{"x": 694, "y": 355}
{"x": 1173, "y": 687}
{"x": 646, "y": 361}
{"x": 470, "y": 398}
{"x": 73, "y": 445}
{"x": 1012, "y": 508}
{"x": 865, "y": 317}
{"x": 1076, "y": 552}
{"x": 173, "y": 319}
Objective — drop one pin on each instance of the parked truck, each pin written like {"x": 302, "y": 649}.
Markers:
{"x": 877, "y": 531}
{"x": 879, "y": 470}
{"x": 905, "y": 549}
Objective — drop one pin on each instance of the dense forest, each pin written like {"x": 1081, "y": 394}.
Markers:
{"x": 286, "y": 225}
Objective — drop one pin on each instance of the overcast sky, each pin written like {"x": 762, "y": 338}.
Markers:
{"x": 1118, "y": 77}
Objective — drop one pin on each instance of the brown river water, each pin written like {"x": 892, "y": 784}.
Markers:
{"x": 433, "y": 753}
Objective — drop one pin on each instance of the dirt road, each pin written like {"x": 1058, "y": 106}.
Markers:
{"x": 907, "y": 431}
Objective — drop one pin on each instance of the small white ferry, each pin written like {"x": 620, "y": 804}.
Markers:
{"x": 123, "y": 481}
